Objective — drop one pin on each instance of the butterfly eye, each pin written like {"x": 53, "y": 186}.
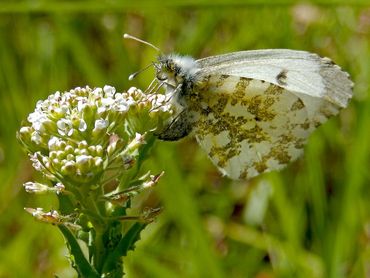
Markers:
{"x": 170, "y": 65}
{"x": 161, "y": 76}
{"x": 177, "y": 71}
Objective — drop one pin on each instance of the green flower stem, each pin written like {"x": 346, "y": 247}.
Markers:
{"x": 99, "y": 248}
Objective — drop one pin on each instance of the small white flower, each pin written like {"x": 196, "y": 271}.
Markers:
{"x": 107, "y": 101}
{"x": 25, "y": 130}
{"x": 109, "y": 90}
{"x": 97, "y": 92}
{"x": 82, "y": 103}
{"x": 34, "y": 116}
{"x": 39, "y": 104}
{"x": 130, "y": 101}
{"x": 82, "y": 126}
{"x": 64, "y": 127}
{"x": 35, "y": 137}
{"x": 53, "y": 143}
{"x": 118, "y": 96}
{"x": 101, "y": 109}
{"x": 121, "y": 105}
{"x": 133, "y": 90}
{"x": 36, "y": 162}
{"x": 71, "y": 132}
{"x": 101, "y": 124}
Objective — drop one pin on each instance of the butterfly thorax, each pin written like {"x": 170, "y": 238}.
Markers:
{"x": 178, "y": 73}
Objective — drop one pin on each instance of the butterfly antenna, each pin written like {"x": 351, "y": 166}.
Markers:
{"x": 127, "y": 36}
{"x": 132, "y": 76}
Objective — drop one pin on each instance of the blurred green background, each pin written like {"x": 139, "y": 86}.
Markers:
{"x": 310, "y": 220}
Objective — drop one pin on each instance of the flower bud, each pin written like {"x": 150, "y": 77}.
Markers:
{"x": 99, "y": 128}
{"x": 69, "y": 149}
{"x": 60, "y": 154}
{"x": 51, "y": 217}
{"x": 88, "y": 112}
{"x": 53, "y": 154}
{"x": 98, "y": 162}
{"x": 69, "y": 168}
{"x": 25, "y": 133}
{"x": 84, "y": 163}
{"x": 113, "y": 144}
{"x": 83, "y": 152}
{"x": 59, "y": 188}
{"x": 70, "y": 157}
{"x": 136, "y": 143}
{"x": 99, "y": 150}
{"x": 36, "y": 188}
{"x": 82, "y": 145}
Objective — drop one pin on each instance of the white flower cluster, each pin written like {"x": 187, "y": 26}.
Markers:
{"x": 75, "y": 135}
{"x": 79, "y": 110}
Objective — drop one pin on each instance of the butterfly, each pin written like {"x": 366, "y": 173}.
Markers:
{"x": 251, "y": 111}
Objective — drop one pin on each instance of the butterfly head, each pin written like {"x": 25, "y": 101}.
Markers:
{"x": 171, "y": 70}
{"x": 175, "y": 70}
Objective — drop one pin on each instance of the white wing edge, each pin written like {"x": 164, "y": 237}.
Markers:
{"x": 297, "y": 71}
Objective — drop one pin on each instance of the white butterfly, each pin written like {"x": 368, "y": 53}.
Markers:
{"x": 252, "y": 111}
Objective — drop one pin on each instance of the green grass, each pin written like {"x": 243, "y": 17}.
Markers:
{"x": 310, "y": 220}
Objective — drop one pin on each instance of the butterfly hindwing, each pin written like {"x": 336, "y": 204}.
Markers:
{"x": 248, "y": 126}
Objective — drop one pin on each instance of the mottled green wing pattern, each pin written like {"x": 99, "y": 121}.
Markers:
{"x": 249, "y": 126}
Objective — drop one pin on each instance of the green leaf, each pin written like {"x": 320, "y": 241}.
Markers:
{"x": 145, "y": 149}
{"x": 65, "y": 204}
{"x": 132, "y": 173}
{"x": 126, "y": 243}
{"x": 81, "y": 264}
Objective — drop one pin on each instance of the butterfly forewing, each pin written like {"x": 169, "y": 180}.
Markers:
{"x": 296, "y": 71}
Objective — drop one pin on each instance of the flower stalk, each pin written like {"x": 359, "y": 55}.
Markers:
{"x": 90, "y": 144}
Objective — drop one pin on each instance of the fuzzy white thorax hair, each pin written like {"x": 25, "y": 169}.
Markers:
{"x": 188, "y": 66}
